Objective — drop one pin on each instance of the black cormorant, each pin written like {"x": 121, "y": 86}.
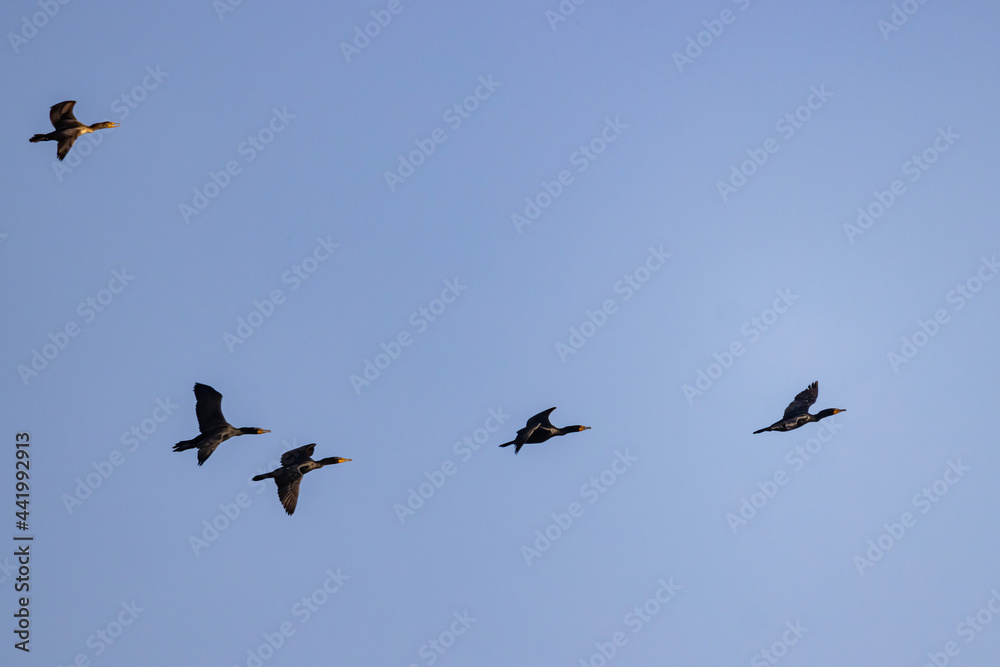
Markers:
{"x": 68, "y": 128}
{"x": 797, "y": 412}
{"x": 294, "y": 464}
{"x": 213, "y": 426}
{"x": 539, "y": 429}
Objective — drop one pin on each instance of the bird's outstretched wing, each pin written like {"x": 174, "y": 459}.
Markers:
{"x": 298, "y": 455}
{"x": 62, "y": 116}
{"x": 62, "y": 150}
{"x": 803, "y": 401}
{"x": 208, "y": 407}
{"x": 288, "y": 493}
{"x": 542, "y": 419}
{"x": 524, "y": 434}
{"x": 206, "y": 451}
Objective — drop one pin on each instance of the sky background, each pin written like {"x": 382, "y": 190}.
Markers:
{"x": 222, "y": 77}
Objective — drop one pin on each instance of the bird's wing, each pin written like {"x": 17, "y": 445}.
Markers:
{"x": 208, "y": 407}
{"x": 288, "y": 492}
{"x": 298, "y": 455}
{"x": 523, "y": 435}
{"x": 803, "y": 400}
{"x": 206, "y": 451}
{"x": 62, "y": 116}
{"x": 63, "y": 150}
{"x": 542, "y": 419}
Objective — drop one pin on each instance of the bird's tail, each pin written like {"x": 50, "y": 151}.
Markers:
{"x": 39, "y": 137}
{"x": 762, "y": 430}
{"x": 184, "y": 444}
{"x": 508, "y": 444}
{"x": 267, "y": 475}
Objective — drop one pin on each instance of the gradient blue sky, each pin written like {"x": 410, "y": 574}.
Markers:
{"x": 115, "y": 205}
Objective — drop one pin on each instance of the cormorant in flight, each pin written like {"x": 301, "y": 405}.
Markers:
{"x": 213, "y": 426}
{"x": 294, "y": 464}
{"x": 68, "y": 128}
{"x": 539, "y": 429}
{"x": 797, "y": 412}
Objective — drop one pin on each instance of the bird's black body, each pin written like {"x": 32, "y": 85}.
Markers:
{"x": 68, "y": 128}
{"x": 797, "y": 412}
{"x": 539, "y": 429}
{"x": 294, "y": 464}
{"x": 213, "y": 426}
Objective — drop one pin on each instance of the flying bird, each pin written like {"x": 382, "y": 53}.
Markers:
{"x": 294, "y": 464}
{"x": 797, "y": 412}
{"x": 539, "y": 429}
{"x": 68, "y": 128}
{"x": 214, "y": 428}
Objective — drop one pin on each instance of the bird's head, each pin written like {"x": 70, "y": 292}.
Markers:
{"x": 253, "y": 430}
{"x": 106, "y": 125}
{"x": 579, "y": 428}
{"x": 334, "y": 459}
{"x": 837, "y": 411}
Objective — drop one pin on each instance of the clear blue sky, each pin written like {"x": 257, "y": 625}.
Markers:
{"x": 600, "y": 221}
